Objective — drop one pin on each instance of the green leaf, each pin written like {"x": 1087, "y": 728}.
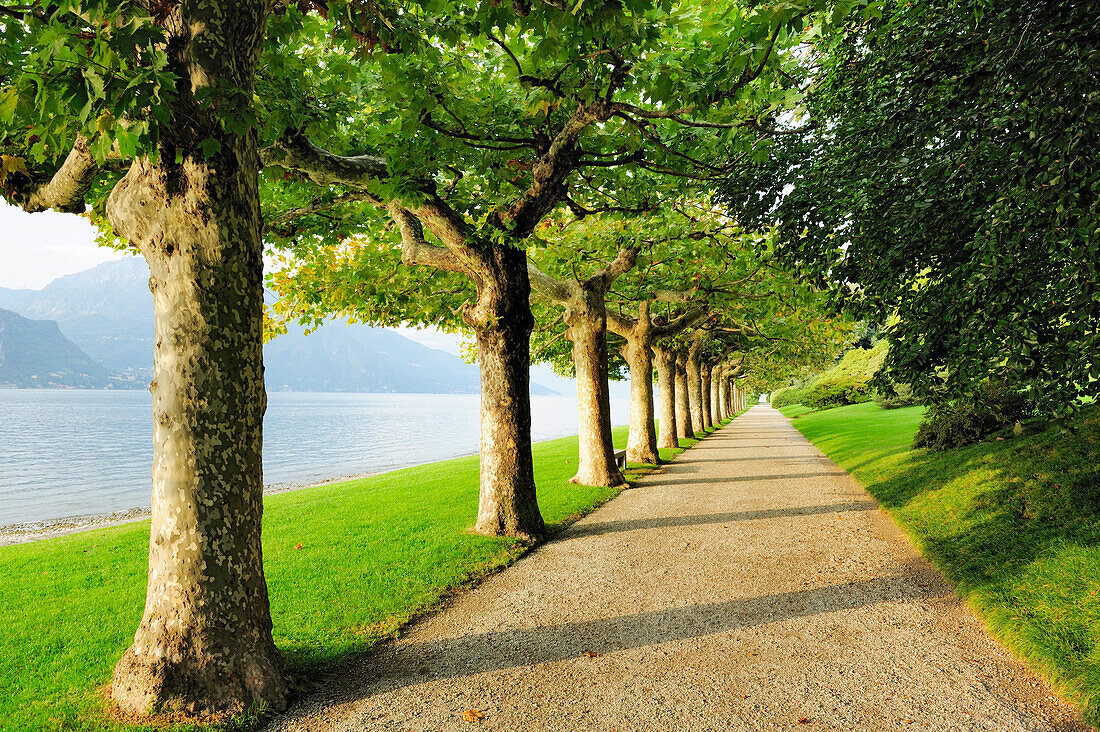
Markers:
{"x": 210, "y": 147}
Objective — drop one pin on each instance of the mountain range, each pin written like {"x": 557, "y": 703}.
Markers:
{"x": 95, "y": 328}
{"x": 33, "y": 353}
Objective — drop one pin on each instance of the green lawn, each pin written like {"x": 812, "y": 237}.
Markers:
{"x": 1014, "y": 525}
{"x": 375, "y": 552}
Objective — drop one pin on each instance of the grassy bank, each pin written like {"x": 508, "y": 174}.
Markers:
{"x": 1014, "y": 525}
{"x": 374, "y": 553}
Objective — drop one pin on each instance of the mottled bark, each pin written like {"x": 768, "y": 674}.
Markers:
{"x": 683, "y": 411}
{"x": 641, "y": 446}
{"x": 715, "y": 408}
{"x": 588, "y": 332}
{"x": 204, "y": 643}
{"x": 502, "y": 320}
{"x": 723, "y": 395}
{"x": 638, "y": 334}
{"x": 665, "y": 361}
{"x": 704, "y": 395}
{"x": 694, "y": 385}
{"x": 586, "y": 317}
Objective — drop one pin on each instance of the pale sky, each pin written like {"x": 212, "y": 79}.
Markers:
{"x": 38, "y": 248}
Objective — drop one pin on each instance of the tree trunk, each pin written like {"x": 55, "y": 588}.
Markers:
{"x": 704, "y": 395}
{"x": 666, "y": 397}
{"x": 695, "y": 407}
{"x": 683, "y": 411}
{"x": 723, "y": 397}
{"x": 204, "y": 643}
{"x": 641, "y": 446}
{"x": 715, "y": 411}
{"x": 502, "y": 320}
{"x": 587, "y": 323}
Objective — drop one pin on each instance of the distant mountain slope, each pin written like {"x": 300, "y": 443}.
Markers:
{"x": 108, "y": 312}
{"x": 341, "y": 357}
{"x": 33, "y": 353}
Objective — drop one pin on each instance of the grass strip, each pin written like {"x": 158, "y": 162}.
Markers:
{"x": 1013, "y": 523}
{"x": 375, "y": 553}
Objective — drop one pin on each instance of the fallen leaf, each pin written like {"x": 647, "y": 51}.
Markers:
{"x": 591, "y": 654}
{"x": 299, "y": 545}
{"x": 472, "y": 715}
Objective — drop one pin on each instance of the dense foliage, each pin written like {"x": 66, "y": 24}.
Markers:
{"x": 967, "y": 420}
{"x": 846, "y": 382}
{"x": 951, "y": 178}
{"x": 896, "y": 397}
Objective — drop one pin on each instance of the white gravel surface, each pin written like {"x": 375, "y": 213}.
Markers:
{"x": 749, "y": 585}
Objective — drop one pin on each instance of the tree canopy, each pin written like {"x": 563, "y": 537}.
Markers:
{"x": 950, "y": 179}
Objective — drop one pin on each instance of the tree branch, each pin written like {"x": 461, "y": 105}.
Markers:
{"x": 548, "y": 175}
{"x": 620, "y": 324}
{"x": 548, "y": 287}
{"x": 296, "y": 152}
{"x": 65, "y": 191}
{"x": 415, "y": 250}
{"x": 687, "y": 320}
{"x": 673, "y": 296}
{"x": 624, "y": 261}
{"x": 279, "y": 225}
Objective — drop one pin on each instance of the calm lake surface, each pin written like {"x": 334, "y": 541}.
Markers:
{"x": 77, "y": 452}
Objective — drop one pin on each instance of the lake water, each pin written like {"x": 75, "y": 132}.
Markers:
{"x": 77, "y": 452}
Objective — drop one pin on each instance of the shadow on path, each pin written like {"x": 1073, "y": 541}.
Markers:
{"x": 608, "y": 527}
{"x": 678, "y": 479}
{"x": 398, "y": 666}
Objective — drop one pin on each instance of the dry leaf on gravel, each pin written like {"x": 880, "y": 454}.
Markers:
{"x": 472, "y": 715}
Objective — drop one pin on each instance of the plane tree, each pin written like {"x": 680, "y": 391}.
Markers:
{"x": 702, "y": 264}
{"x": 144, "y": 111}
{"x": 774, "y": 320}
{"x": 149, "y": 115}
{"x": 468, "y": 144}
{"x": 579, "y": 263}
{"x": 153, "y": 114}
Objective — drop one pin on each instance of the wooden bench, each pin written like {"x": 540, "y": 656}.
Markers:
{"x": 620, "y": 458}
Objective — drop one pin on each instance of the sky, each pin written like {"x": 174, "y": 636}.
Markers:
{"x": 38, "y": 248}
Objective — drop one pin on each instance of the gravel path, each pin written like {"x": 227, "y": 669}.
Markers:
{"x": 749, "y": 585}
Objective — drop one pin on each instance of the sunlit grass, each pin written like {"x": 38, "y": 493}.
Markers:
{"x": 1012, "y": 523}
{"x": 375, "y": 552}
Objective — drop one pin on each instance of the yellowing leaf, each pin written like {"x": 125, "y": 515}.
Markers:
{"x": 11, "y": 164}
{"x": 104, "y": 123}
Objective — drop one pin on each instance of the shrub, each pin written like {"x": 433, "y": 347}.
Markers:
{"x": 787, "y": 397}
{"x": 903, "y": 396}
{"x": 966, "y": 421}
{"x": 847, "y": 382}
{"x": 836, "y": 392}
